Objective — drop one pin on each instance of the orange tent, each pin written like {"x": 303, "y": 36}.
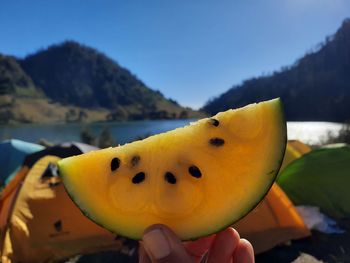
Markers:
{"x": 300, "y": 147}
{"x": 39, "y": 222}
{"x": 294, "y": 150}
{"x": 274, "y": 221}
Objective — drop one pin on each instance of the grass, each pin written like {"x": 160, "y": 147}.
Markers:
{"x": 41, "y": 110}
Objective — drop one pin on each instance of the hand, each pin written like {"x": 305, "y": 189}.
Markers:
{"x": 161, "y": 245}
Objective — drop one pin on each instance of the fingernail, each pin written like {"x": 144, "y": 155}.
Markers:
{"x": 156, "y": 243}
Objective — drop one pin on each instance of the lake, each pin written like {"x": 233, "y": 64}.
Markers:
{"x": 308, "y": 132}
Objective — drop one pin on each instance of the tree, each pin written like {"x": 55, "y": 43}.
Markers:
{"x": 86, "y": 136}
{"x": 106, "y": 139}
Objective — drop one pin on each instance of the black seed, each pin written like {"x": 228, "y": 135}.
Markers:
{"x": 138, "y": 178}
{"x": 170, "y": 178}
{"x": 194, "y": 171}
{"x": 217, "y": 141}
{"x": 214, "y": 122}
{"x": 135, "y": 160}
{"x": 115, "y": 163}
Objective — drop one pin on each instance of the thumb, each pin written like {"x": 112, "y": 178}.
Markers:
{"x": 163, "y": 246}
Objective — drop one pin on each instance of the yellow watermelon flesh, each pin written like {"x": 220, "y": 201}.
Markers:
{"x": 197, "y": 179}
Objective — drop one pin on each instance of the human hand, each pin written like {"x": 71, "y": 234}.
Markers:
{"x": 161, "y": 245}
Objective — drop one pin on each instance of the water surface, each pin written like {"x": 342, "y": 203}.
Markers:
{"x": 308, "y": 132}
{"x": 122, "y": 131}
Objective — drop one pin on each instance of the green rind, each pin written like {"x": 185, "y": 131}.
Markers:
{"x": 75, "y": 201}
{"x": 279, "y": 164}
{"x": 254, "y": 204}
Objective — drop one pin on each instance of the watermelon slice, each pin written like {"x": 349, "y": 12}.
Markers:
{"x": 197, "y": 179}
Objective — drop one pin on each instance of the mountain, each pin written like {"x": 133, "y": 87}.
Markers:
{"x": 315, "y": 88}
{"x": 13, "y": 80}
{"x": 71, "y": 73}
{"x": 73, "y": 82}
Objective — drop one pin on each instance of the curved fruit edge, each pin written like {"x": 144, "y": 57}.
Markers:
{"x": 82, "y": 210}
{"x": 274, "y": 177}
{"x": 278, "y": 166}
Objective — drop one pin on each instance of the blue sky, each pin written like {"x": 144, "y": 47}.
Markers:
{"x": 189, "y": 50}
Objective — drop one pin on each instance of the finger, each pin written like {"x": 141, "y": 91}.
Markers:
{"x": 163, "y": 246}
{"x": 199, "y": 247}
{"x": 244, "y": 252}
{"x": 143, "y": 257}
{"x": 223, "y": 246}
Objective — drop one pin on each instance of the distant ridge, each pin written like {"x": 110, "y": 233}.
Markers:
{"x": 13, "y": 79}
{"x": 79, "y": 80}
{"x": 72, "y": 73}
{"x": 315, "y": 88}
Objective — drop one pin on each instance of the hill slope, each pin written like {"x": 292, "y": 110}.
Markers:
{"x": 72, "y": 82}
{"x": 316, "y": 87}
{"x": 71, "y": 73}
{"x": 13, "y": 80}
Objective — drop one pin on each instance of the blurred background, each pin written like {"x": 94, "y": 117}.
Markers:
{"x": 110, "y": 72}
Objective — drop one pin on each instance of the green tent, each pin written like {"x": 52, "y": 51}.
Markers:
{"x": 320, "y": 178}
{"x": 12, "y": 154}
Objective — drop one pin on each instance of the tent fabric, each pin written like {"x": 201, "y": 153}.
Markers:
{"x": 8, "y": 194}
{"x": 12, "y": 154}
{"x": 62, "y": 151}
{"x": 294, "y": 150}
{"x": 299, "y": 146}
{"x": 320, "y": 178}
{"x": 39, "y": 222}
{"x": 274, "y": 221}
{"x": 84, "y": 148}
{"x": 44, "y": 224}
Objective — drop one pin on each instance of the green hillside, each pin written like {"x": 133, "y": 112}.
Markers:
{"x": 13, "y": 80}
{"x": 73, "y": 82}
{"x": 315, "y": 87}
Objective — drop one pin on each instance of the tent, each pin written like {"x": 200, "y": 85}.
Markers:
{"x": 299, "y": 146}
{"x": 274, "y": 221}
{"x": 320, "y": 178}
{"x": 39, "y": 222}
{"x": 294, "y": 150}
{"x": 12, "y": 154}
